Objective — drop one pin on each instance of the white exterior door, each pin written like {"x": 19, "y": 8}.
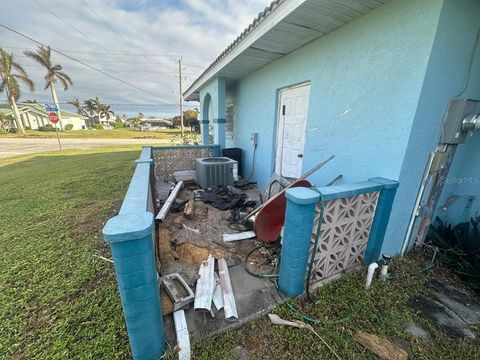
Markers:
{"x": 293, "y": 111}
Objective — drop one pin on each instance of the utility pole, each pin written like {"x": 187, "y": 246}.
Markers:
{"x": 180, "y": 80}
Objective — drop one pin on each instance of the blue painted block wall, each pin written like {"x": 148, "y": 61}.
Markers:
{"x": 130, "y": 235}
{"x": 445, "y": 79}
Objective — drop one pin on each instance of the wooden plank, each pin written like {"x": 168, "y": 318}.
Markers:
{"x": 230, "y": 307}
{"x": 183, "y": 339}
{"x": 381, "y": 347}
{"x": 205, "y": 285}
{"x": 168, "y": 204}
{"x": 189, "y": 209}
{"x": 238, "y": 236}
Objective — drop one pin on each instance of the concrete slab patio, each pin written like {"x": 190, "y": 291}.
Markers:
{"x": 451, "y": 310}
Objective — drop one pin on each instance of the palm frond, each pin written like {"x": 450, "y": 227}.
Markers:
{"x": 26, "y": 80}
{"x": 20, "y": 69}
{"x": 37, "y": 56}
{"x": 64, "y": 79}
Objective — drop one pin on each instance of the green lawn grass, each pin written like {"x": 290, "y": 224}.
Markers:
{"x": 57, "y": 299}
{"x": 103, "y": 134}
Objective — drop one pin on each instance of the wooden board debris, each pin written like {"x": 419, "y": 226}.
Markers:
{"x": 168, "y": 203}
{"x": 183, "y": 339}
{"x": 229, "y": 304}
{"x": 187, "y": 176}
{"x": 238, "y": 236}
{"x": 189, "y": 209}
{"x": 380, "y": 346}
{"x": 205, "y": 285}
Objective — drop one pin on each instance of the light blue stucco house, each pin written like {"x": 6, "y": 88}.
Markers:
{"x": 368, "y": 81}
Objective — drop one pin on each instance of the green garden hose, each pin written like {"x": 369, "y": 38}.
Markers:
{"x": 312, "y": 257}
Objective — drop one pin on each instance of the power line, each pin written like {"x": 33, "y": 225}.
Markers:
{"x": 68, "y": 67}
{"x": 83, "y": 63}
{"x": 113, "y": 29}
{"x": 173, "y": 63}
{"x": 74, "y": 28}
{"x": 120, "y": 53}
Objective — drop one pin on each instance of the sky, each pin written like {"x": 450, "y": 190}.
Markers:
{"x": 138, "y": 42}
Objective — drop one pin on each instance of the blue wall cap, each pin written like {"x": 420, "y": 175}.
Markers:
{"x": 301, "y": 195}
{"x": 141, "y": 161}
{"x": 387, "y": 183}
{"x": 219, "y": 121}
{"x": 129, "y": 226}
{"x": 203, "y": 121}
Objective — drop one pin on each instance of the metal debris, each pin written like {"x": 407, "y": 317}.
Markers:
{"x": 205, "y": 285}
{"x": 166, "y": 207}
{"x": 180, "y": 298}
{"x": 238, "y": 236}
{"x": 183, "y": 339}
{"x": 229, "y": 304}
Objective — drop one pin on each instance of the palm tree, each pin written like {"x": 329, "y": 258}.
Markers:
{"x": 89, "y": 108}
{"x": 78, "y": 107}
{"x": 54, "y": 73}
{"x": 10, "y": 74}
{"x": 106, "y": 113}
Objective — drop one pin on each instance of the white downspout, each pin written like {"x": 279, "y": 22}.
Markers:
{"x": 416, "y": 207}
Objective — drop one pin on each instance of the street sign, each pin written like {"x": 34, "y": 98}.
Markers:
{"x": 53, "y": 117}
{"x": 51, "y": 107}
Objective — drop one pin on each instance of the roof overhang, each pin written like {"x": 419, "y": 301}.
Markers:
{"x": 283, "y": 27}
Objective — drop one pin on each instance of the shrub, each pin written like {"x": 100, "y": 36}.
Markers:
{"x": 47, "y": 127}
{"x": 98, "y": 126}
{"x": 117, "y": 125}
{"x": 28, "y": 128}
{"x": 68, "y": 127}
{"x": 13, "y": 130}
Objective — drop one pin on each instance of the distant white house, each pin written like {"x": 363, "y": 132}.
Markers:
{"x": 33, "y": 116}
{"x": 152, "y": 123}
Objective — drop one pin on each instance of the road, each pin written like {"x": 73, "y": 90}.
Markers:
{"x": 21, "y": 146}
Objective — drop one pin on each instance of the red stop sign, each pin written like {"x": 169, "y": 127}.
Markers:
{"x": 53, "y": 117}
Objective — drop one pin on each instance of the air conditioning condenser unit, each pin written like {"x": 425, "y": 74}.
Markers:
{"x": 214, "y": 171}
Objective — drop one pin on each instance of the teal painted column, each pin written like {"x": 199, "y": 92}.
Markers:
{"x": 130, "y": 235}
{"x": 219, "y": 120}
{"x": 297, "y": 233}
{"x": 219, "y": 125}
{"x": 380, "y": 219}
{"x": 204, "y": 131}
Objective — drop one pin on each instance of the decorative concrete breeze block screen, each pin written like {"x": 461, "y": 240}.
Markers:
{"x": 169, "y": 160}
{"x": 344, "y": 234}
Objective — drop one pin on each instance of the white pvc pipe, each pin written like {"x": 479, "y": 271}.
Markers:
{"x": 371, "y": 271}
{"x": 384, "y": 272}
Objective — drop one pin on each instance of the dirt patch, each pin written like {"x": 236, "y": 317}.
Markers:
{"x": 191, "y": 254}
{"x": 165, "y": 251}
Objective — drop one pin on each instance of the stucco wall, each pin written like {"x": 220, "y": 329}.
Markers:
{"x": 464, "y": 176}
{"x": 365, "y": 82}
{"x": 444, "y": 80}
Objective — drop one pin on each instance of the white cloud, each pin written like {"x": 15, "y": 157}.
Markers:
{"x": 154, "y": 34}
